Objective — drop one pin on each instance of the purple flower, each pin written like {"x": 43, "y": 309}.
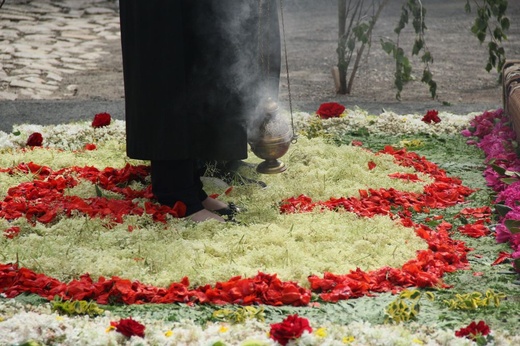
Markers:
{"x": 466, "y": 133}
{"x": 515, "y": 245}
{"x": 494, "y": 180}
{"x": 510, "y": 196}
{"x": 496, "y": 139}
{"x": 502, "y": 234}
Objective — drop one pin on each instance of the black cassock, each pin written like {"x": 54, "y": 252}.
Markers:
{"x": 195, "y": 72}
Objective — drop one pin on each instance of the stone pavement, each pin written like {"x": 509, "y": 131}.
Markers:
{"x": 41, "y": 41}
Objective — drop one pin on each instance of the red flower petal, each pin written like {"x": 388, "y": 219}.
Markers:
{"x": 475, "y": 230}
{"x": 502, "y": 257}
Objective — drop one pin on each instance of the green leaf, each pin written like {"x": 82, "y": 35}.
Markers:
{"x": 402, "y": 21}
{"x": 99, "y": 193}
{"x": 427, "y": 76}
{"x": 418, "y": 25}
{"x": 505, "y": 23}
{"x": 31, "y": 343}
{"x": 492, "y": 59}
{"x": 418, "y": 45}
{"x": 467, "y": 7}
{"x": 517, "y": 263}
{"x": 416, "y": 294}
{"x": 502, "y": 7}
{"x": 502, "y": 209}
{"x": 481, "y": 24}
{"x": 509, "y": 181}
{"x": 388, "y": 46}
{"x": 406, "y": 294}
{"x": 481, "y": 35}
{"x": 351, "y": 44}
{"x": 498, "y": 34}
{"x": 360, "y": 32}
{"x": 498, "y": 169}
{"x": 433, "y": 88}
{"x": 427, "y": 57}
{"x": 399, "y": 56}
{"x": 407, "y": 70}
{"x": 512, "y": 225}
{"x": 78, "y": 307}
{"x": 253, "y": 343}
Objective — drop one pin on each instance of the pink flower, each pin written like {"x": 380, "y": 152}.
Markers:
{"x": 466, "y": 133}
{"x": 494, "y": 180}
{"x": 515, "y": 245}
{"x": 502, "y": 234}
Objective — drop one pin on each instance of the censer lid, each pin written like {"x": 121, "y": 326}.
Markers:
{"x": 274, "y": 125}
{"x": 273, "y": 140}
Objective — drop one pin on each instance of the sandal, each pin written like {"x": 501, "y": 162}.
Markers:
{"x": 230, "y": 211}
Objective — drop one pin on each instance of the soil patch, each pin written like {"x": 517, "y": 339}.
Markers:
{"x": 311, "y": 37}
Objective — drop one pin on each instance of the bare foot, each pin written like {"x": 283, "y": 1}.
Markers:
{"x": 205, "y": 215}
{"x": 213, "y": 204}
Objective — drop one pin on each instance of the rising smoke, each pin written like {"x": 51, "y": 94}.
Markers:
{"x": 253, "y": 31}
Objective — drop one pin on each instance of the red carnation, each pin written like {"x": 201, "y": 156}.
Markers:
{"x": 129, "y": 327}
{"x": 473, "y": 330}
{"x": 35, "y": 140}
{"x": 289, "y": 329}
{"x": 101, "y": 119}
{"x": 330, "y": 110}
{"x": 12, "y": 232}
{"x": 431, "y": 116}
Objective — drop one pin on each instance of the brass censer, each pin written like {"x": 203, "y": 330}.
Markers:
{"x": 273, "y": 140}
{"x": 274, "y": 135}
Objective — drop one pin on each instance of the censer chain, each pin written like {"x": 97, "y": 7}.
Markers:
{"x": 294, "y": 137}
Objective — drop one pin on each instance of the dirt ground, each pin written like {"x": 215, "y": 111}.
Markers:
{"x": 311, "y": 36}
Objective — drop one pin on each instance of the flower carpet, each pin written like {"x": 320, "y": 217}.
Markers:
{"x": 388, "y": 229}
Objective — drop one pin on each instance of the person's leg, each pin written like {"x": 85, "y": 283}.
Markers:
{"x": 178, "y": 180}
{"x": 207, "y": 202}
{"x": 228, "y": 210}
